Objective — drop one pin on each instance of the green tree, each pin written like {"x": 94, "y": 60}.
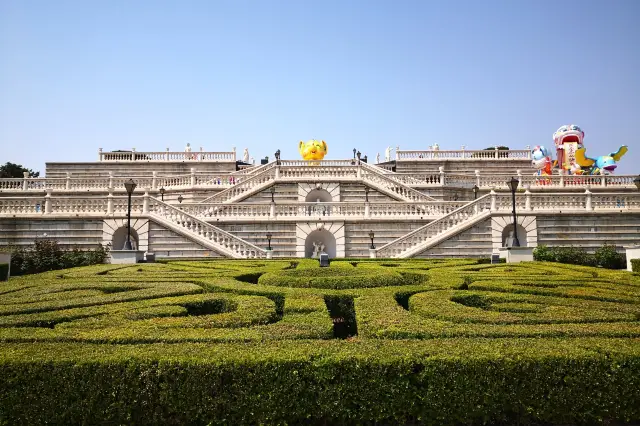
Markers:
{"x": 10, "y": 170}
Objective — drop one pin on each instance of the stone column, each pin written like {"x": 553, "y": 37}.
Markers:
{"x": 68, "y": 181}
{"x": 367, "y": 213}
{"x": 235, "y": 157}
{"x": 193, "y": 177}
{"x": 478, "y": 178}
{"x": 110, "y": 201}
{"x": 588, "y": 203}
{"x": 25, "y": 181}
{"x": 496, "y": 151}
{"x": 133, "y": 154}
{"x": 359, "y": 172}
{"x": 166, "y": 155}
{"x": 154, "y": 183}
{"x": 527, "y": 199}
{"x": 145, "y": 203}
{"x": 397, "y": 149}
{"x": 441, "y": 171}
{"x": 110, "y": 179}
{"x": 277, "y": 172}
{"x": 272, "y": 210}
{"x": 493, "y": 200}
{"x": 99, "y": 154}
{"x": 603, "y": 178}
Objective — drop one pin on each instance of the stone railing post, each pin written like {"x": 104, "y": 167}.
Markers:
{"x": 397, "y": 149}
{"x": 110, "y": 179}
{"x": 193, "y": 177}
{"x": 527, "y": 199}
{"x": 25, "y": 181}
{"x": 359, "y": 172}
{"x": 145, "y": 203}
{"x": 588, "y": 203}
{"x": 277, "y": 172}
{"x": 478, "y": 178}
{"x": 561, "y": 174}
{"x": 233, "y": 149}
{"x": 441, "y": 171}
{"x": 110, "y": 201}
{"x": 603, "y": 178}
{"x": 133, "y": 154}
{"x": 528, "y": 148}
{"x": 496, "y": 151}
{"x": 47, "y": 202}
{"x": 166, "y": 155}
{"x": 201, "y": 156}
{"x": 462, "y": 149}
{"x": 100, "y": 156}
{"x": 367, "y": 213}
{"x": 493, "y": 200}
{"x": 154, "y": 180}
{"x": 68, "y": 181}
{"x": 272, "y": 210}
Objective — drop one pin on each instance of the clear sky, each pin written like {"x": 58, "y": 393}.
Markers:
{"x": 79, "y": 75}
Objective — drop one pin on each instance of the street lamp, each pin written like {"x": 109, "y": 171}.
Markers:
{"x": 371, "y": 235}
{"x": 475, "y": 191}
{"x": 273, "y": 191}
{"x": 162, "y": 193}
{"x": 269, "y": 240}
{"x": 354, "y": 153}
{"x": 277, "y": 154}
{"x": 130, "y": 186}
{"x": 180, "y": 198}
{"x": 637, "y": 182}
{"x": 358, "y": 154}
{"x": 513, "y": 185}
{"x": 366, "y": 194}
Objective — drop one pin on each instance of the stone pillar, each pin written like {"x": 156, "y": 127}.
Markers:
{"x": 110, "y": 201}
{"x": 496, "y": 151}
{"x": 372, "y": 253}
{"x": 633, "y": 252}
{"x": 588, "y": 204}
{"x": 233, "y": 149}
{"x": 493, "y": 200}
{"x": 110, "y": 179}
{"x": 561, "y": 173}
{"x": 154, "y": 178}
{"x": 397, "y": 149}
{"x": 99, "y": 154}
{"x": 277, "y": 172}
{"x": 47, "y": 202}
{"x": 441, "y": 171}
{"x": 133, "y": 154}
{"x": 193, "y": 177}
{"x": 166, "y": 155}
{"x": 519, "y": 174}
{"x": 603, "y": 178}
{"x": 272, "y": 210}
{"x": 25, "y": 181}
{"x": 359, "y": 172}
{"x": 68, "y": 181}
{"x": 527, "y": 199}
{"x": 145, "y": 203}
{"x": 367, "y": 214}
{"x": 269, "y": 254}
{"x": 478, "y": 178}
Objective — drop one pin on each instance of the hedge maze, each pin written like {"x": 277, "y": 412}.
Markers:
{"x": 241, "y": 342}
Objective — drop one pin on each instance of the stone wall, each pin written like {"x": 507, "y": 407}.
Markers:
{"x": 473, "y": 242}
{"x": 167, "y": 244}
{"x": 357, "y": 241}
{"x": 169, "y": 168}
{"x": 82, "y": 233}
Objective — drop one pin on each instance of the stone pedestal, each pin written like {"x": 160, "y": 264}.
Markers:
{"x": 633, "y": 252}
{"x": 126, "y": 256}
{"x": 372, "y": 253}
{"x": 269, "y": 254}
{"x": 6, "y": 258}
{"x": 517, "y": 254}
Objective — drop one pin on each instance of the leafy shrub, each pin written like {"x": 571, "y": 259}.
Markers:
{"x": 542, "y": 253}
{"x": 635, "y": 265}
{"x": 47, "y": 255}
{"x": 607, "y": 257}
{"x": 4, "y": 271}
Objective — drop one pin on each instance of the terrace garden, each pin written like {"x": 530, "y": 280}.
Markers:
{"x": 287, "y": 342}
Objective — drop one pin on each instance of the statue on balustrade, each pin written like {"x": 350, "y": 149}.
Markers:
{"x": 245, "y": 156}
{"x": 387, "y": 154}
{"x": 378, "y": 158}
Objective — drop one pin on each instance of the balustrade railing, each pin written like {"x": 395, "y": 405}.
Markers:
{"x": 166, "y": 156}
{"x": 218, "y": 238}
{"x": 387, "y": 181}
{"x": 489, "y": 154}
{"x": 244, "y": 186}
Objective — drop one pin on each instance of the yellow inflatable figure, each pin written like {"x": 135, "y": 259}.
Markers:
{"x": 313, "y": 150}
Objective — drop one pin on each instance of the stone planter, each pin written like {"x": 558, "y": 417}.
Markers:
{"x": 633, "y": 252}
{"x": 372, "y": 253}
{"x": 269, "y": 254}
{"x": 126, "y": 256}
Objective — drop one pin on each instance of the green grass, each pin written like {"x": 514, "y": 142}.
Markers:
{"x": 393, "y": 341}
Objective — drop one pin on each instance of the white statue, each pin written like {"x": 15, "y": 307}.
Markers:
{"x": 436, "y": 147}
{"x": 316, "y": 250}
{"x": 187, "y": 148}
{"x": 245, "y": 156}
{"x": 321, "y": 248}
{"x": 387, "y": 154}
{"x": 378, "y": 158}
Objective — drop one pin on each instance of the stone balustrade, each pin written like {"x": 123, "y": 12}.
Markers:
{"x": 133, "y": 155}
{"x": 463, "y": 154}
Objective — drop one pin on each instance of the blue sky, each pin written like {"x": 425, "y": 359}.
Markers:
{"x": 79, "y": 75}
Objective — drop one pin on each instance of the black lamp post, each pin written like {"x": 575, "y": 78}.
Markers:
{"x": 371, "y": 235}
{"x": 366, "y": 194}
{"x": 180, "y": 198}
{"x": 513, "y": 185}
{"x": 277, "y": 154}
{"x": 354, "y": 153}
{"x": 273, "y": 191}
{"x": 162, "y": 193}
{"x": 475, "y": 191}
{"x": 358, "y": 154}
{"x": 130, "y": 186}
{"x": 269, "y": 240}
{"x": 637, "y": 182}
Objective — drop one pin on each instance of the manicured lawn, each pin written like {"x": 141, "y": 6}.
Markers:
{"x": 240, "y": 342}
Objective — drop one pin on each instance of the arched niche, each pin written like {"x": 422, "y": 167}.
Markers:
{"x": 318, "y": 195}
{"x": 120, "y": 237}
{"x": 507, "y": 236}
{"x": 320, "y": 237}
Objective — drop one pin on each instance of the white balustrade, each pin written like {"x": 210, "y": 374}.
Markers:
{"x": 166, "y": 156}
{"x": 379, "y": 179}
{"x": 244, "y": 186}
{"x": 216, "y": 237}
{"x": 489, "y": 154}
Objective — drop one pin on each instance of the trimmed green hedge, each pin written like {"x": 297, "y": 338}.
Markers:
{"x": 444, "y": 382}
{"x": 605, "y": 256}
{"x": 4, "y": 271}
{"x": 635, "y": 265}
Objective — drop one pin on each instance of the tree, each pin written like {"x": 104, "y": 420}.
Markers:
{"x": 11, "y": 170}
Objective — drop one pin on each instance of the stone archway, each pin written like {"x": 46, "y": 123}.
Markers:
{"x": 507, "y": 236}
{"x": 502, "y": 226}
{"x": 321, "y": 239}
{"x": 318, "y": 195}
{"x": 120, "y": 237}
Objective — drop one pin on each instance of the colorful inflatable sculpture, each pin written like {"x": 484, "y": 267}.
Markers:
{"x": 541, "y": 160}
{"x": 568, "y": 139}
{"x": 605, "y": 164}
{"x": 313, "y": 149}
